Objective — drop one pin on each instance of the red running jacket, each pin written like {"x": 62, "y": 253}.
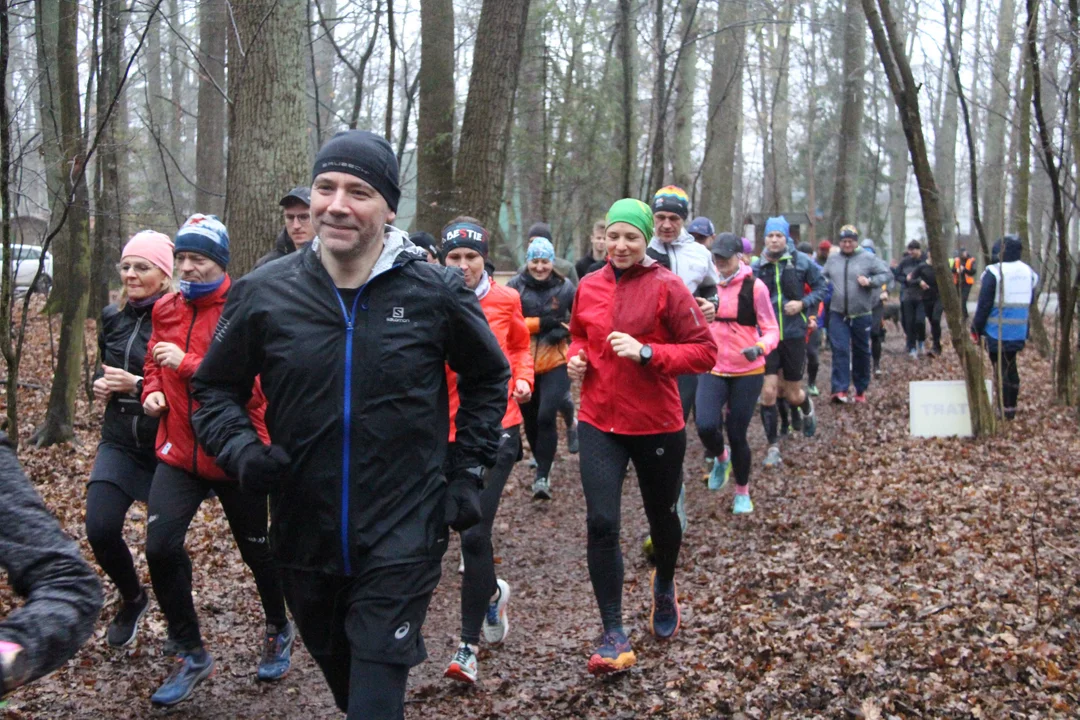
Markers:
{"x": 190, "y": 325}
{"x": 652, "y": 304}
{"x": 502, "y": 308}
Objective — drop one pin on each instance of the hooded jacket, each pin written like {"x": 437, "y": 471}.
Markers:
{"x": 1013, "y": 304}
{"x": 552, "y": 300}
{"x": 652, "y": 304}
{"x": 282, "y": 246}
{"x": 357, "y": 397}
{"x": 122, "y": 337}
{"x": 687, "y": 258}
{"x": 849, "y": 298}
{"x": 731, "y": 336}
{"x": 787, "y": 278}
{"x": 190, "y": 325}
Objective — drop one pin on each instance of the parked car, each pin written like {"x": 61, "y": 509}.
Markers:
{"x": 24, "y": 266}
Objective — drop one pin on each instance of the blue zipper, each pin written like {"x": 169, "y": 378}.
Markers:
{"x": 347, "y": 440}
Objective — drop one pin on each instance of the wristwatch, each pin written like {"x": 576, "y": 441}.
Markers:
{"x": 646, "y": 354}
{"x": 138, "y": 388}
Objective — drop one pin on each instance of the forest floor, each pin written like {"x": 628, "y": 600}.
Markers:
{"x": 880, "y": 576}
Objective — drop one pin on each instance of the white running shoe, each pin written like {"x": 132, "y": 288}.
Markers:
{"x": 461, "y": 565}
{"x": 496, "y": 623}
{"x": 463, "y": 665}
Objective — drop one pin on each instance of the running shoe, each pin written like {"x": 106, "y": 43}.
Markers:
{"x": 463, "y": 665}
{"x": 721, "y": 473}
{"x": 665, "y": 618}
{"x": 541, "y": 489}
{"x": 613, "y": 654}
{"x": 860, "y": 397}
{"x": 796, "y": 419}
{"x": 496, "y": 623}
{"x": 572, "y": 439}
{"x": 772, "y": 457}
{"x": 810, "y": 422}
{"x": 193, "y": 668}
{"x": 840, "y": 398}
{"x": 813, "y": 390}
{"x": 742, "y": 505}
{"x": 922, "y": 348}
{"x": 461, "y": 565}
{"x": 877, "y": 371}
{"x": 125, "y": 626}
{"x": 277, "y": 654}
{"x": 913, "y": 354}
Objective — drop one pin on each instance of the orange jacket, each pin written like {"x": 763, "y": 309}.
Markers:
{"x": 502, "y": 307}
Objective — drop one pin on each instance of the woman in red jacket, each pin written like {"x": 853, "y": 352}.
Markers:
{"x": 483, "y": 596}
{"x": 634, "y": 329}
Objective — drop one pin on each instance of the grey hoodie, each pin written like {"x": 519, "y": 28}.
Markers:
{"x": 849, "y": 298}
{"x": 688, "y": 258}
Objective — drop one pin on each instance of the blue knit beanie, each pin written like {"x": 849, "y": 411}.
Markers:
{"x": 778, "y": 224}
{"x": 206, "y": 235}
{"x": 540, "y": 249}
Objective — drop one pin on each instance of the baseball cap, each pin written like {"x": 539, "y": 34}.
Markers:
{"x": 701, "y": 225}
{"x": 300, "y": 193}
{"x": 727, "y": 245}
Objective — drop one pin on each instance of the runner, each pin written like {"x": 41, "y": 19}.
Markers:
{"x": 932, "y": 308}
{"x": 912, "y": 311}
{"x": 125, "y": 462}
{"x": 856, "y": 277}
{"x": 963, "y": 272}
{"x": 1009, "y": 286}
{"x": 786, "y": 273}
{"x": 546, "y": 301}
{"x": 814, "y": 332}
{"x": 745, "y": 331}
{"x": 593, "y": 258}
{"x": 427, "y": 243}
{"x": 183, "y": 325}
{"x": 877, "y": 327}
{"x": 44, "y": 567}
{"x": 484, "y": 597}
{"x": 298, "y": 232}
{"x": 635, "y": 328}
{"x": 351, "y": 339}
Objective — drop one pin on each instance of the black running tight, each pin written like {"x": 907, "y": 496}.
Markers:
{"x": 738, "y": 395}
{"x": 106, "y": 507}
{"x": 540, "y": 413}
{"x": 478, "y": 582}
{"x": 658, "y": 460}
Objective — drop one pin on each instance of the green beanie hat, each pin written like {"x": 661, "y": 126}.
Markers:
{"x": 635, "y": 212}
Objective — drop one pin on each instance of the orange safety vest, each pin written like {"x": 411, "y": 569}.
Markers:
{"x": 965, "y": 268}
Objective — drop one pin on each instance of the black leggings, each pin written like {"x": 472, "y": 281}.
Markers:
{"x": 913, "y": 314}
{"x": 813, "y": 356}
{"x": 478, "y": 582}
{"x": 877, "y": 333}
{"x": 106, "y": 509}
{"x": 1010, "y": 379}
{"x": 540, "y": 413}
{"x": 687, "y": 392}
{"x": 658, "y": 460}
{"x": 932, "y": 309}
{"x": 175, "y": 497}
{"x": 739, "y": 395}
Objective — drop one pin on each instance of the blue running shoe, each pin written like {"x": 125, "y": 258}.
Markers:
{"x": 496, "y": 623}
{"x": 810, "y": 422}
{"x": 743, "y": 505}
{"x": 277, "y": 654}
{"x": 721, "y": 473}
{"x": 194, "y": 667}
{"x": 665, "y": 618}
{"x": 613, "y": 654}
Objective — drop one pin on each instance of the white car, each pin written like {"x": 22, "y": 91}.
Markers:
{"x": 24, "y": 266}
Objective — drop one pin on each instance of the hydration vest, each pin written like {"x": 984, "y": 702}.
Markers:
{"x": 746, "y": 314}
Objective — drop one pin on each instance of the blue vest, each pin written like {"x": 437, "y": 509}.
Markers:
{"x": 1012, "y": 296}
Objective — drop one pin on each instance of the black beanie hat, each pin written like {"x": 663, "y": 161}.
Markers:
{"x": 364, "y": 155}
{"x": 540, "y": 229}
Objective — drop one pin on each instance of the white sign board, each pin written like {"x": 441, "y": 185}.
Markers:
{"x": 939, "y": 408}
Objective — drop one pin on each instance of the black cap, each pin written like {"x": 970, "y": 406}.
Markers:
{"x": 300, "y": 193}
{"x": 726, "y": 245}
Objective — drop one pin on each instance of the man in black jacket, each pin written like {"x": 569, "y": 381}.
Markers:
{"x": 298, "y": 230}
{"x": 351, "y": 337}
{"x": 912, "y": 310}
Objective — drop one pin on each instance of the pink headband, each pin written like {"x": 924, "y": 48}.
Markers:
{"x": 154, "y": 247}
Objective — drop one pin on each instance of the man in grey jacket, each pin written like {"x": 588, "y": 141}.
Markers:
{"x": 63, "y": 595}
{"x": 856, "y": 276}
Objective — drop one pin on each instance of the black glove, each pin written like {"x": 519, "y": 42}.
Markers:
{"x": 549, "y": 323}
{"x": 752, "y": 353}
{"x": 462, "y": 509}
{"x": 261, "y": 468}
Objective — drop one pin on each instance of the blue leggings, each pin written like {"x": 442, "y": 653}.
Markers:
{"x": 739, "y": 395}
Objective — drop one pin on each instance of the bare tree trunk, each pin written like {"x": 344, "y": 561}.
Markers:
{"x": 724, "y": 125}
{"x": 685, "y": 81}
{"x": 324, "y": 69}
{"x": 905, "y": 91}
{"x": 59, "y": 417}
{"x": 849, "y": 153}
{"x": 158, "y": 191}
{"x": 945, "y": 152}
{"x": 659, "y": 106}
{"x": 268, "y": 142}
{"x": 390, "y": 80}
{"x": 435, "y": 122}
{"x": 993, "y": 170}
{"x": 481, "y": 163}
{"x": 626, "y": 29}
{"x": 530, "y": 143}
{"x": 210, "y": 127}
